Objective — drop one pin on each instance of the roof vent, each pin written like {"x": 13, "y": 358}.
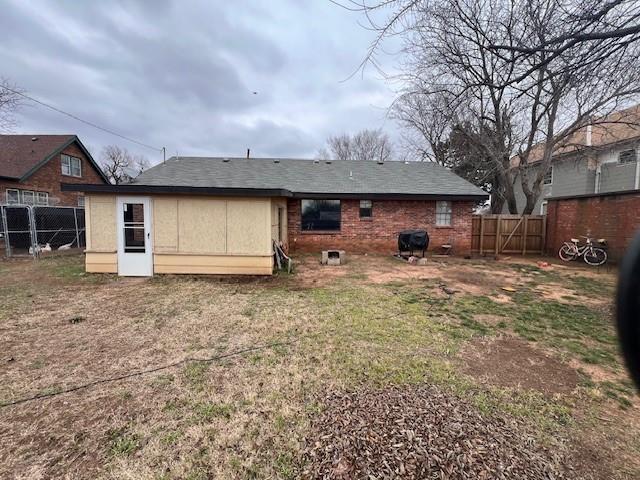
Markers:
{"x": 34, "y": 139}
{"x": 406, "y": 162}
{"x": 350, "y": 174}
{"x": 380, "y": 162}
{"x": 316, "y": 160}
{"x": 225, "y": 159}
{"x": 328, "y": 162}
{"x": 276, "y": 160}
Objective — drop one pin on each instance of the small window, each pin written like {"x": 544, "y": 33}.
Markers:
{"x": 548, "y": 177}
{"x": 443, "y": 214}
{"x": 71, "y": 166}
{"x": 13, "y": 196}
{"x": 627, "y": 156}
{"x": 81, "y": 201}
{"x": 28, "y": 197}
{"x": 42, "y": 198}
{"x": 320, "y": 215}
{"x": 366, "y": 209}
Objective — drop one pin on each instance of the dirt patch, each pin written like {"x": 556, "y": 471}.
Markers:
{"x": 420, "y": 432}
{"x": 510, "y": 362}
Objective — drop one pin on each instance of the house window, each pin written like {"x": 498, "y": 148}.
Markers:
{"x": 548, "y": 177}
{"x": 81, "y": 201}
{"x": 13, "y": 196}
{"x": 71, "y": 166}
{"x": 366, "y": 209}
{"x": 320, "y": 215}
{"x": 443, "y": 214}
{"x": 28, "y": 197}
{"x": 627, "y": 156}
{"x": 42, "y": 198}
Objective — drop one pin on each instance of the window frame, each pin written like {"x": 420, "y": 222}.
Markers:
{"x": 447, "y": 214}
{"x": 630, "y": 161}
{"x": 304, "y": 226}
{"x": 543, "y": 207}
{"x": 369, "y": 208}
{"x": 33, "y": 197}
{"x": 46, "y": 199}
{"x": 81, "y": 204}
{"x": 68, "y": 162}
{"x": 550, "y": 174}
{"x": 17, "y": 192}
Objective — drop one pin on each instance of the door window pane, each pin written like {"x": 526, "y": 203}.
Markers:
{"x": 134, "y": 228}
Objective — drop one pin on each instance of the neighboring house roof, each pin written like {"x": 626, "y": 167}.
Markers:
{"x": 308, "y": 178}
{"x": 22, "y": 155}
{"x": 609, "y": 130}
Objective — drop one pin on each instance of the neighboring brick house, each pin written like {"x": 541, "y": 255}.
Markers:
{"x": 32, "y": 167}
{"x": 599, "y": 158}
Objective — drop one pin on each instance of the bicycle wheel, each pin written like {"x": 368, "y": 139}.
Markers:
{"x": 595, "y": 256}
{"x": 567, "y": 253}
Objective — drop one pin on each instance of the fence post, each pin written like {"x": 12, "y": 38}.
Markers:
{"x": 524, "y": 236}
{"x": 481, "y": 233}
{"x": 75, "y": 219}
{"x": 33, "y": 231}
{"x": 498, "y": 225}
{"x": 5, "y": 228}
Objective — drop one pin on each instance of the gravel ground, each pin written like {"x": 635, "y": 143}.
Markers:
{"x": 416, "y": 432}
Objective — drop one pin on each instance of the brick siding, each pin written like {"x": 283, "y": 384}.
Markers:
{"x": 614, "y": 217}
{"x": 380, "y": 233}
{"x": 49, "y": 176}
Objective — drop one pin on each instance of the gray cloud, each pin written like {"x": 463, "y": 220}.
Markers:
{"x": 183, "y": 75}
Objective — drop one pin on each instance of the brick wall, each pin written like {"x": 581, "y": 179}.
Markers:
{"x": 380, "y": 233}
{"x": 49, "y": 176}
{"x": 615, "y": 217}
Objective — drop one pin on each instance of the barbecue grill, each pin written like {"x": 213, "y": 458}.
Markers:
{"x": 413, "y": 240}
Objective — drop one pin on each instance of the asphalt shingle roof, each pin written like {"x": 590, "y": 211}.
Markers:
{"x": 20, "y": 153}
{"x": 309, "y": 176}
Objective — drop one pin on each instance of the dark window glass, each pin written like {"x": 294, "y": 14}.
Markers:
{"x": 134, "y": 228}
{"x": 320, "y": 215}
{"x": 366, "y": 209}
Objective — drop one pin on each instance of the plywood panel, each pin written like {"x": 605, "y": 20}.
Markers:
{"x": 212, "y": 264}
{"x": 248, "y": 227}
{"x": 165, "y": 224}
{"x": 202, "y": 226}
{"x": 101, "y": 223}
{"x": 101, "y": 262}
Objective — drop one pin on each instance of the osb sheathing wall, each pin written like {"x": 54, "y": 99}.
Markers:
{"x": 190, "y": 235}
{"x": 101, "y": 238}
{"x": 212, "y": 235}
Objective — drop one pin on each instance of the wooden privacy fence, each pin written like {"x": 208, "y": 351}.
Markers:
{"x": 518, "y": 234}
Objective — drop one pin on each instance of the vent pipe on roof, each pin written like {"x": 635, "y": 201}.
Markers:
{"x": 225, "y": 159}
{"x": 328, "y": 162}
{"x": 248, "y": 153}
{"x": 380, "y": 162}
{"x": 350, "y": 174}
{"x": 276, "y": 160}
{"x": 33, "y": 139}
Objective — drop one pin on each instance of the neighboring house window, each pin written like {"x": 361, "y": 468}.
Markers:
{"x": 320, "y": 215}
{"x": 548, "y": 177}
{"x": 71, "y": 166}
{"x": 366, "y": 209}
{"x": 543, "y": 208}
{"x": 42, "y": 198}
{"x": 443, "y": 214}
{"x": 13, "y": 196}
{"x": 81, "y": 201}
{"x": 28, "y": 197}
{"x": 627, "y": 156}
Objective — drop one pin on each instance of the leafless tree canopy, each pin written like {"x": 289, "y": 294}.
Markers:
{"x": 120, "y": 166}
{"x": 511, "y": 80}
{"x": 364, "y": 145}
{"x": 9, "y": 103}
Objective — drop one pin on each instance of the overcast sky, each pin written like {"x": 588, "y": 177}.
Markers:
{"x": 181, "y": 74}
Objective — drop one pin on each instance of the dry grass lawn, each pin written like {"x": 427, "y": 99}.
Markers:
{"x": 185, "y": 377}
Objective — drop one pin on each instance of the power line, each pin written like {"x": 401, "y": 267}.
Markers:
{"x": 55, "y": 109}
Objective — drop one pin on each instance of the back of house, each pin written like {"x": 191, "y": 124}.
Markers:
{"x": 223, "y": 215}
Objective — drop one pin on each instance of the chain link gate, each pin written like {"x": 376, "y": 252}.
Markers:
{"x": 30, "y": 230}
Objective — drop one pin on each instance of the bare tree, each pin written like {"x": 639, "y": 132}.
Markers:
{"x": 519, "y": 105}
{"x": 120, "y": 166}
{"x": 9, "y": 103}
{"x": 364, "y": 145}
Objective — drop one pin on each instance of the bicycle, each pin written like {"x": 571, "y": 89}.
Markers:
{"x": 572, "y": 250}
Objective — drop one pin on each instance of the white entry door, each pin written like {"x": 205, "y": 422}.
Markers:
{"x": 135, "y": 256}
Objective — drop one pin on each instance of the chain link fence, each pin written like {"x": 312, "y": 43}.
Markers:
{"x": 30, "y": 230}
